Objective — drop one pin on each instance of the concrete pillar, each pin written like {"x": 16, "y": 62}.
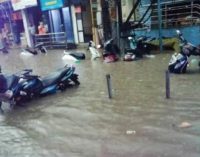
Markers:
{"x": 160, "y": 25}
{"x": 74, "y": 23}
{"x": 26, "y": 28}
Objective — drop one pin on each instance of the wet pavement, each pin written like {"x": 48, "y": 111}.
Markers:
{"x": 83, "y": 122}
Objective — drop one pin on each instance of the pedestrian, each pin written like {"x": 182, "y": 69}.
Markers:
{"x": 16, "y": 33}
{"x": 2, "y": 44}
{"x": 42, "y": 30}
{"x": 5, "y": 35}
{"x": 32, "y": 32}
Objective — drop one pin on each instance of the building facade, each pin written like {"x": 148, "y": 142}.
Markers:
{"x": 176, "y": 14}
{"x": 72, "y": 17}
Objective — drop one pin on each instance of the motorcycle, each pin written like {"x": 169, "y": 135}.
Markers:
{"x": 18, "y": 89}
{"x": 179, "y": 61}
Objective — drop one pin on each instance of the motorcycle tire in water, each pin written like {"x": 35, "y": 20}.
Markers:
{"x": 74, "y": 78}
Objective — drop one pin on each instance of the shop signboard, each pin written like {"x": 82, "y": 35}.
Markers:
{"x": 51, "y": 4}
{"x": 1, "y": 1}
{"x": 22, "y": 4}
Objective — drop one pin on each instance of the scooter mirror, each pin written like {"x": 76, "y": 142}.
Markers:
{"x": 130, "y": 38}
{"x": 178, "y": 32}
{"x": 98, "y": 46}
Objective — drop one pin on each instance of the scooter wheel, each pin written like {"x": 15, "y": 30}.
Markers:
{"x": 74, "y": 78}
{"x": 62, "y": 87}
{"x": 76, "y": 82}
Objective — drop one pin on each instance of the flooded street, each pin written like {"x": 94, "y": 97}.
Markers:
{"x": 82, "y": 122}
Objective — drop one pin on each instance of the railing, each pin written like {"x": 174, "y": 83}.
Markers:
{"x": 52, "y": 40}
{"x": 177, "y": 13}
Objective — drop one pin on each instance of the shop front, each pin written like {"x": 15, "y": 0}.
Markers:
{"x": 71, "y": 17}
{"x": 58, "y": 18}
{"x": 22, "y": 7}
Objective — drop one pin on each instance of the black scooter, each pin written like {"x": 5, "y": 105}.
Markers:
{"x": 39, "y": 48}
{"x": 138, "y": 47}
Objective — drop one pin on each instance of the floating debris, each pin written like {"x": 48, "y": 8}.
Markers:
{"x": 185, "y": 125}
{"x": 129, "y": 132}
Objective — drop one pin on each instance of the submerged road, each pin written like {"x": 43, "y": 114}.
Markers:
{"x": 83, "y": 122}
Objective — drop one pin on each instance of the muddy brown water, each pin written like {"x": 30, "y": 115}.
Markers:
{"x": 83, "y": 122}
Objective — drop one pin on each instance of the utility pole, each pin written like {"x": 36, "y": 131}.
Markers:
{"x": 160, "y": 25}
{"x": 93, "y": 4}
{"x": 119, "y": 16}
{"x": 26, "y": 27}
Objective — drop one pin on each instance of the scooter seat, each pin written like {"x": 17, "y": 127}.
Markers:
{"x": 129, "y": 50}
{"x": 55, "y": 77}
{"x": 31, "y": 50}
{"x": 79, "y": 56}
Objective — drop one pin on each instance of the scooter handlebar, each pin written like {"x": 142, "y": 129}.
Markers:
{"x": 180, "y": 36}
{"x": 26, "y": 72}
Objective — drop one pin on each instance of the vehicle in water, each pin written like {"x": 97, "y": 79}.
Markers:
{"x": 179, "y": 61}
{"x": 16, "y": 89}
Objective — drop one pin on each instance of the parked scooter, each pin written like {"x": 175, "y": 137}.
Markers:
{"x": 179, "y": 61}
{"x": 73, "y": 56}
{"x": 17, "y": 89}
{"x": 93, "y": 50}
{"x": 38, "y": 48}
{"x": 138, "y": 47}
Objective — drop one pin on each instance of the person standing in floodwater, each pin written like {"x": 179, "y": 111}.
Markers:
{"x": 32, "y": 32}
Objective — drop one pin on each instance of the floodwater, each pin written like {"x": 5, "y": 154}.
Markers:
{"x": 82, "y": 122}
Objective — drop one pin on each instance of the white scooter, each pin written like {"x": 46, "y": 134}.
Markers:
{"x": 179, "y": 61}
{"x": 93, "y": 50}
